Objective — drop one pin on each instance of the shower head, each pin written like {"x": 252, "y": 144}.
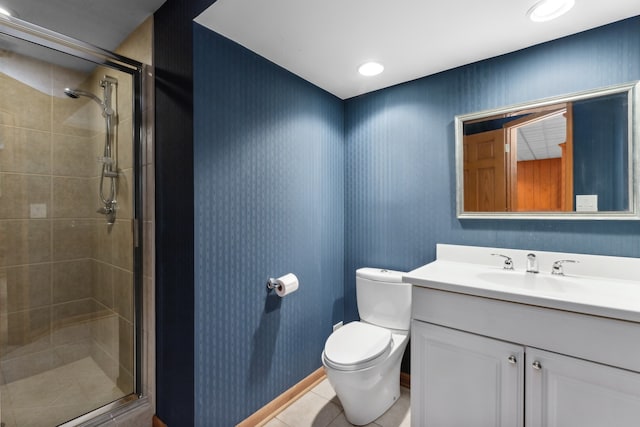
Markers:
{"x": 71, "y": 93}
{"x": 77, "y": 93}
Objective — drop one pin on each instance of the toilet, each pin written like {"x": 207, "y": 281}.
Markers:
{"x": 362, "y": 359}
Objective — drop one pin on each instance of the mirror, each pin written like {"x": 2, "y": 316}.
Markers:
{"x": 567, "y": 157}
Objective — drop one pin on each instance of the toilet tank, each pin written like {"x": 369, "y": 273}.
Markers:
{"x": 383, "y": 299}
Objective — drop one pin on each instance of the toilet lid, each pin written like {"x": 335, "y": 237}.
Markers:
{"x": 357, "y": 345}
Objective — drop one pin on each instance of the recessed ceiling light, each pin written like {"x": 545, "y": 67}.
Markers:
{"x": 370, "y": 69}
{"x": 546, "y": 10}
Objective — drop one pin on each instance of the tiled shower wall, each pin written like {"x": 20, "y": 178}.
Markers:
{"x": 65, "y": 277}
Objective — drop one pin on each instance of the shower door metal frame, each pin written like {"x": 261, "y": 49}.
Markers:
{"x": 23, "y": 30}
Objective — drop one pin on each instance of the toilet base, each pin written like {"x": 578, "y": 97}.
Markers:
{"x": 367, "y": 394}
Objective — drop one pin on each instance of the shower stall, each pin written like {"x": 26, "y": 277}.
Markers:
{"x": 70, "y": 240}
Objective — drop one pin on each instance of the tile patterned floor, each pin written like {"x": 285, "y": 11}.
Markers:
{"x": 71, "y": 390}
{"x": 320, "y": 407}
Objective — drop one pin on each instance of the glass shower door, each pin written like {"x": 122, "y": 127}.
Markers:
{"x": 67, "y": 282}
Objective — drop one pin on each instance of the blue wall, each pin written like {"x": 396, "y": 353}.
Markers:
{"x": 173, "y": 149}
{"x": 400, "y": 173}
{"x": 600, "y": 155}
{"x": 269, "y": 200}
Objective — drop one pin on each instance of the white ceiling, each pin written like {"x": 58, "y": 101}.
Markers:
{"x": 324, "y": 42}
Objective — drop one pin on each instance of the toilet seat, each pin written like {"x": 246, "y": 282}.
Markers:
{"x": 357, "y": 345}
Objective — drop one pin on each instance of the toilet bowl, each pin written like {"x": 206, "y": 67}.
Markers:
{"x": 362, "y": 359}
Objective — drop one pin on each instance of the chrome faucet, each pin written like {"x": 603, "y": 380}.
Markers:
{"x": 556, "y": 268}
{"x": 532, "y": 263}
{"x": 508, "y": 262}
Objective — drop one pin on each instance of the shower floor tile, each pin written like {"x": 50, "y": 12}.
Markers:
{"x": 55, "y": 396}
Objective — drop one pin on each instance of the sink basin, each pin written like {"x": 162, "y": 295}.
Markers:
{"x": 561, "y": 286}
{"x": 535, "y": 282}
{"x": 604, "y": 295}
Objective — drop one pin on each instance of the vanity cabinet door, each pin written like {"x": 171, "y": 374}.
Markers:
{"x": 562, "y": 391}
{"x": 463, "y": 379}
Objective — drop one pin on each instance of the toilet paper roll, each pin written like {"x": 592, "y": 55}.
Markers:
{"x": 286, "y": 284}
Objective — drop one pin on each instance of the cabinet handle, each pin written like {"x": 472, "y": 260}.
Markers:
{"x": 536, "y": 365}
{"x": 512, "y": 359}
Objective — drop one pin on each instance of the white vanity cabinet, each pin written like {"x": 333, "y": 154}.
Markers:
{"x": 463, "y": 379}
{"x": 566, "y": 391}
{"x": 479, "y": 362}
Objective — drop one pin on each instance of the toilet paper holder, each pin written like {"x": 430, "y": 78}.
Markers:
{"x": 272, "y": 284}
{"x": 284, "y": 285}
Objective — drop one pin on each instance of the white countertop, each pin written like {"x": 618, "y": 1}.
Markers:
{"x": 605, "y": 293}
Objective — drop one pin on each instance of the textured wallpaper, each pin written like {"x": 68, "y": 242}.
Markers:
{"x": 269, "y": 200}
{"x": 400, "y": 172}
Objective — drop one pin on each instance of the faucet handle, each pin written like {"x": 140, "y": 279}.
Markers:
{"x": 532, "y": 263}
{"x": 508, "y": 262}
{"x": 556, "y": 268}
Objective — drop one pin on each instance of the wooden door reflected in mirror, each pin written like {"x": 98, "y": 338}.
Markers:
{"x": 524, "y": 165}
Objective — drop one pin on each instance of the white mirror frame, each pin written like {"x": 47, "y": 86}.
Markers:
{"x": 633, "y": 91}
